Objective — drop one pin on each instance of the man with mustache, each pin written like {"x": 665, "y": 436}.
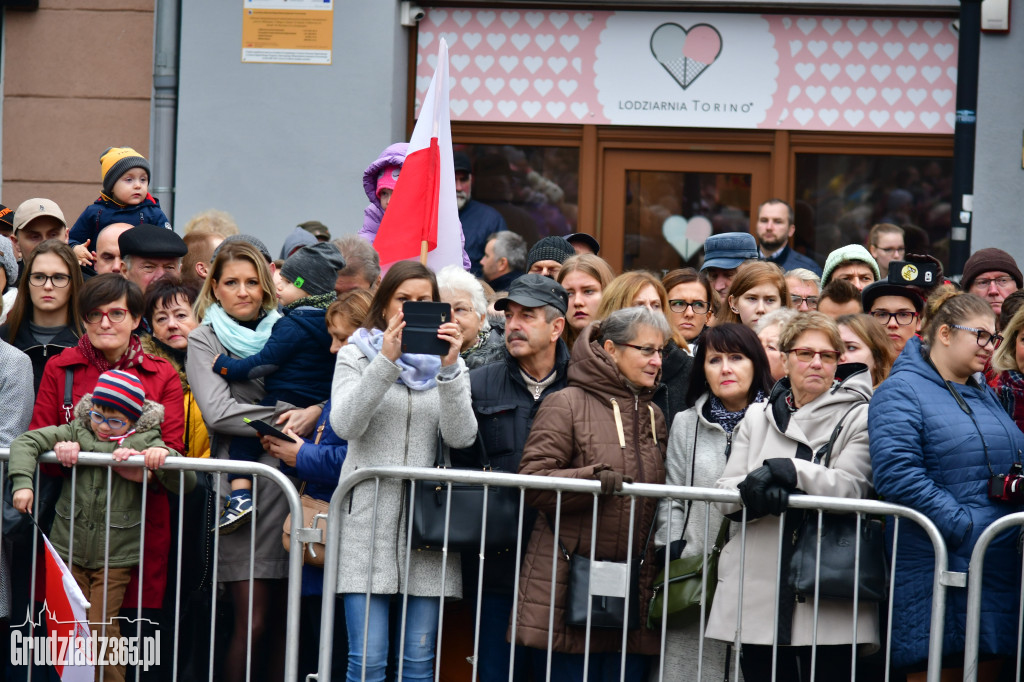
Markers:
{"x": 479, "y": 221}
{"x": 506, "y": 396}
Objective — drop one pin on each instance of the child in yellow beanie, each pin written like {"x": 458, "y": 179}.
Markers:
{"x": 125, "y": 199}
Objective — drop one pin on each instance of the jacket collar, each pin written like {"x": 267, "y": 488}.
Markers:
{"x": 849, "y": 377}
{"x": 594, "y": 370}
{"x": 561, "y": 365}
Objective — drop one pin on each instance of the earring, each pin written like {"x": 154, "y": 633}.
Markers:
{"x": 734, "y": 310}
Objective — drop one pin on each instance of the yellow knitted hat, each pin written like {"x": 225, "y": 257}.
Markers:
{"x": 116, "y": 161}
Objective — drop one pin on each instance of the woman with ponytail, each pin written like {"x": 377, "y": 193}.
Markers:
{"x": 939, "y": 440}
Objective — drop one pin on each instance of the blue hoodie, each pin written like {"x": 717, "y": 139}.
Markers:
{"x": 105, "y": 211}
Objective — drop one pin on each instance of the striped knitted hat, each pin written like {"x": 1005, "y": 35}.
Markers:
{"x": 116, "y": 161}
{"x": 120, "y": 391}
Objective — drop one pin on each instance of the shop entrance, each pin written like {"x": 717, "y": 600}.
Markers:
{"x": 658, "y": 207}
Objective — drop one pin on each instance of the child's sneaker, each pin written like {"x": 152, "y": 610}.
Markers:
{"x": 236, "y": 512}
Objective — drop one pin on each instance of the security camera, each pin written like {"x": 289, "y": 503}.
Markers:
{"x": 411, "y": 14}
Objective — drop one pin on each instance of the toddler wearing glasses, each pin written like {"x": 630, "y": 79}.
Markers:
{"x": 114, "y": 418}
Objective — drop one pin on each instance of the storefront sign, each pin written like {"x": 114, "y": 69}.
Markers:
{"x": 696, "y": 69}
{"x": 287, "y": 31}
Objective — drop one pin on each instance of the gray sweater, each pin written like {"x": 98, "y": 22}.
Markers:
{"x": 388, "y": 424}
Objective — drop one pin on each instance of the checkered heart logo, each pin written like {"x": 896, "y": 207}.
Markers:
{"x": 686, "y": 53}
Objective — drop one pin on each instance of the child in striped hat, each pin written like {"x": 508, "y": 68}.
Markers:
{"x": 115, "y": 418}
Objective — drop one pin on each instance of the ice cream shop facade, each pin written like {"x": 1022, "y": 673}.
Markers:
{"x": 654, "y": 129}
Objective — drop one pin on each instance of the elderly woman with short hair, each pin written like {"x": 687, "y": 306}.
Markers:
{"x": 480, "y": 344}
{"x": 773, "y": 456}
{"x": 603, "y": 426}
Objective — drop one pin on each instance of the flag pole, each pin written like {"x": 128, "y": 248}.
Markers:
{"x": 435, "y": 131}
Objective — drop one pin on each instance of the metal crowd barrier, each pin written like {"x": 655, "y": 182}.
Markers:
{"x": 376, "y": 475}
{"x": 198, "y": 465}
{"x": 974, "y": 590}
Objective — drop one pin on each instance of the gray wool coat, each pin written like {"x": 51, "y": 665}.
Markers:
{"x": 389, "y": 424}
{"x": 694, "y": 441}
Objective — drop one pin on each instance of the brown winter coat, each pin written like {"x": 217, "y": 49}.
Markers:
{"x": 574, "y": 430}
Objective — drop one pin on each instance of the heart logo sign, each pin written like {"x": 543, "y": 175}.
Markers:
{"x": 686, "y": 53}
{"x": 686, "y": 236}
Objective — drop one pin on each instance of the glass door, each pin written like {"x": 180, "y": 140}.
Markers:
{"x": 658, "y": 207}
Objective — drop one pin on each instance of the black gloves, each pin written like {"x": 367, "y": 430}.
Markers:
{"x": 611, "y": 480}
{"x": 766, "y": 489}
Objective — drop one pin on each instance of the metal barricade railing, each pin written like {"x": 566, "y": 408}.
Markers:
{"x": 375, "y": 476}
{"x": 182, "y": 465}
{"x": 974, "y": 593}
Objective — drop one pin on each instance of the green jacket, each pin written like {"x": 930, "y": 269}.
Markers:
{"x": 90, "y": 506}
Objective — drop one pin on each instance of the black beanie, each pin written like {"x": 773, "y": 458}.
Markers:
{"x": 314, "y": 269}
{"x": 550, "y": 248}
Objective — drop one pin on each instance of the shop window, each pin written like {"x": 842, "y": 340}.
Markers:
{"x": 840, "y": 196}
{"x": 536, "y": 189}
{"x": 669, "y": 215}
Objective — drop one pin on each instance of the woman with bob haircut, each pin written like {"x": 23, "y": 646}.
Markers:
{"x": 773, "y": 457}
{"x": 758, "y": 289}
{"x": 730, "y": 374}
{"x": 865, "y": 341}
{"x": 392, "y": 407}
{"x": 585, "y": 277}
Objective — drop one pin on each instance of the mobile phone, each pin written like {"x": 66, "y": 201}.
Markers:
{"x": 266, "y": 429}
{"x": 422, "y": 321}
{"x": 923, "y": 274}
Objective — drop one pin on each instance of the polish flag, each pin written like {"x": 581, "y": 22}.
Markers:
{"x": 422, "y": 218}
{"x": 67, "y": 619}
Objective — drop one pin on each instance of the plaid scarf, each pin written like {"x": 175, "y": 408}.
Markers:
{"x": 1010, "y": 389}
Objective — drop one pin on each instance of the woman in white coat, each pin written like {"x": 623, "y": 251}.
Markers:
{"x": 389, "y": 406}
{"x": 773, "y": 455}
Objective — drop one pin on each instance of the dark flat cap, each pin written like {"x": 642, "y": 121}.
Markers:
{"x": 534, "y": 291}
{"x": 150, "y": 240}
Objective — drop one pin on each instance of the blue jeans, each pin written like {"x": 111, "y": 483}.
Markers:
{"x": 420, "y": 637}
{"x": 492, "y": 660}
{"x": 604, "y": 667}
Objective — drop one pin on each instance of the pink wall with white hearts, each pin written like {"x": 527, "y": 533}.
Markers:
{"x": 830, "y": 73}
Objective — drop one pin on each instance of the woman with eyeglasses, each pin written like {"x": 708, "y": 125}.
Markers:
{"x": 641, "y": 288}
{"x": 690, "y": 304}
{"x": 940, "y": 440}
{"x": 43, "y": 321}
{"x": 773, "y": 457}
{"x": 603, "y": 427}
{"x": 109, "y": 308}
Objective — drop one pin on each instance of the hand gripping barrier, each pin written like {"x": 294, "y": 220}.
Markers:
{"x": 376, "y": 476}
{"x": 212, "y": 466}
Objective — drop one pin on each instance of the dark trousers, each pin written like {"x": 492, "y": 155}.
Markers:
{"x": 832, "y": 663}
{"x": 604, "y": 667}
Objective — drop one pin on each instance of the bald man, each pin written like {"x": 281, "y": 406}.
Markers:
{"x": 107, "y": 256}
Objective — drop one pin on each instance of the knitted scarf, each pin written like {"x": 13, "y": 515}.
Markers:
{"x": 726, "y": 419}
{"x": 132, "y": 356}
{"x": 321, "y": 301}
{"x": 419, "y": 372}
{"x": 239, "y": 340}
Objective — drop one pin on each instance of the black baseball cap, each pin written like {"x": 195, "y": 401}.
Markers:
{"x": 534, "y": 291}
{"x": 584, "y": 238}
{"x": 462, "y": 163}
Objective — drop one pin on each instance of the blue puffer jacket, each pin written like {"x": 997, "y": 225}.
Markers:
{"x": 105, "y": 211}
{"x": 928, "y": 454}
{"x": 318, "y": 464}
{"x": 293, "y": 360}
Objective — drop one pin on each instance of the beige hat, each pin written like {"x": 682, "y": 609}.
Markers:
{"x": 31, "y": 209}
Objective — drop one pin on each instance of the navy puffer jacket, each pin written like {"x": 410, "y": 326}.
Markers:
{"x": 928, "y": 454}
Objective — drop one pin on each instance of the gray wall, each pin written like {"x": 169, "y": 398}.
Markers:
{"x": 998, "y": 177}
{"x": 279, "y": 144}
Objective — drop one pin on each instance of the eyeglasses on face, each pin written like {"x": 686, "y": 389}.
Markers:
{"x": 112, "y": 422}
{"x": 982, "y": 284}
{"x": 679, "y": 305}
{"x": 892, "y": 250}
{"x": 646, "y": 351}
{"x": 115, "y": 315}
{"x": 38, "y": 279}
{"x": 903, "y": 317}
{"x": 806, "y": 355}
{"x": 984, "y": 337}
{"x": 797, "y": 301}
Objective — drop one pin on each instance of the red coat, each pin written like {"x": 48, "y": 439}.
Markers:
{"x": 163, "y": 386}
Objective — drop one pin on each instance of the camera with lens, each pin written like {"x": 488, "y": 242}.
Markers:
{"x": 1007, "y": 487}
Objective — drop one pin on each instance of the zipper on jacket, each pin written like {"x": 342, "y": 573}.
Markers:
{"x": 728, "y": 445}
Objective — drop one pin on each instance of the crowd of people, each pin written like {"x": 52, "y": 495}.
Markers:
{"x": 123, "y": 337}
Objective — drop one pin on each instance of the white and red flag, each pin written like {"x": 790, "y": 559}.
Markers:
{"x": 422, "y": 218}
{"x": 68, "y": 620}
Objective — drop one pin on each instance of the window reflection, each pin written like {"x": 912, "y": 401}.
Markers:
{"x": 534, "y": 188}
{"x": 840, "y": 196}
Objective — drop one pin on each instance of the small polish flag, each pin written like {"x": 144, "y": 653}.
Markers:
{"x": 422, "y": 218}
{"x": 67, "y": 618}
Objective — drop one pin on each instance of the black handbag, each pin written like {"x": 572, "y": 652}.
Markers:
{"x": 839, "y": 539}
{"x": 604, "y": 585}
{"x": 428, "y": 508}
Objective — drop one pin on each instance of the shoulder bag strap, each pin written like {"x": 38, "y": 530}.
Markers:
{"x": 69, "y": 384}
{"x": 824, "y": 454}
{"x": 693, "y": 465}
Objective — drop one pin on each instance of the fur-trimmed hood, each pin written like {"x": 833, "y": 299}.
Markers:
{"x": 152, "y": 414}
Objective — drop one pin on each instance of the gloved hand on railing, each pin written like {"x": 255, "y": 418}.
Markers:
{"x": 611, "y": 480}
{"x": 766, "y": 489}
